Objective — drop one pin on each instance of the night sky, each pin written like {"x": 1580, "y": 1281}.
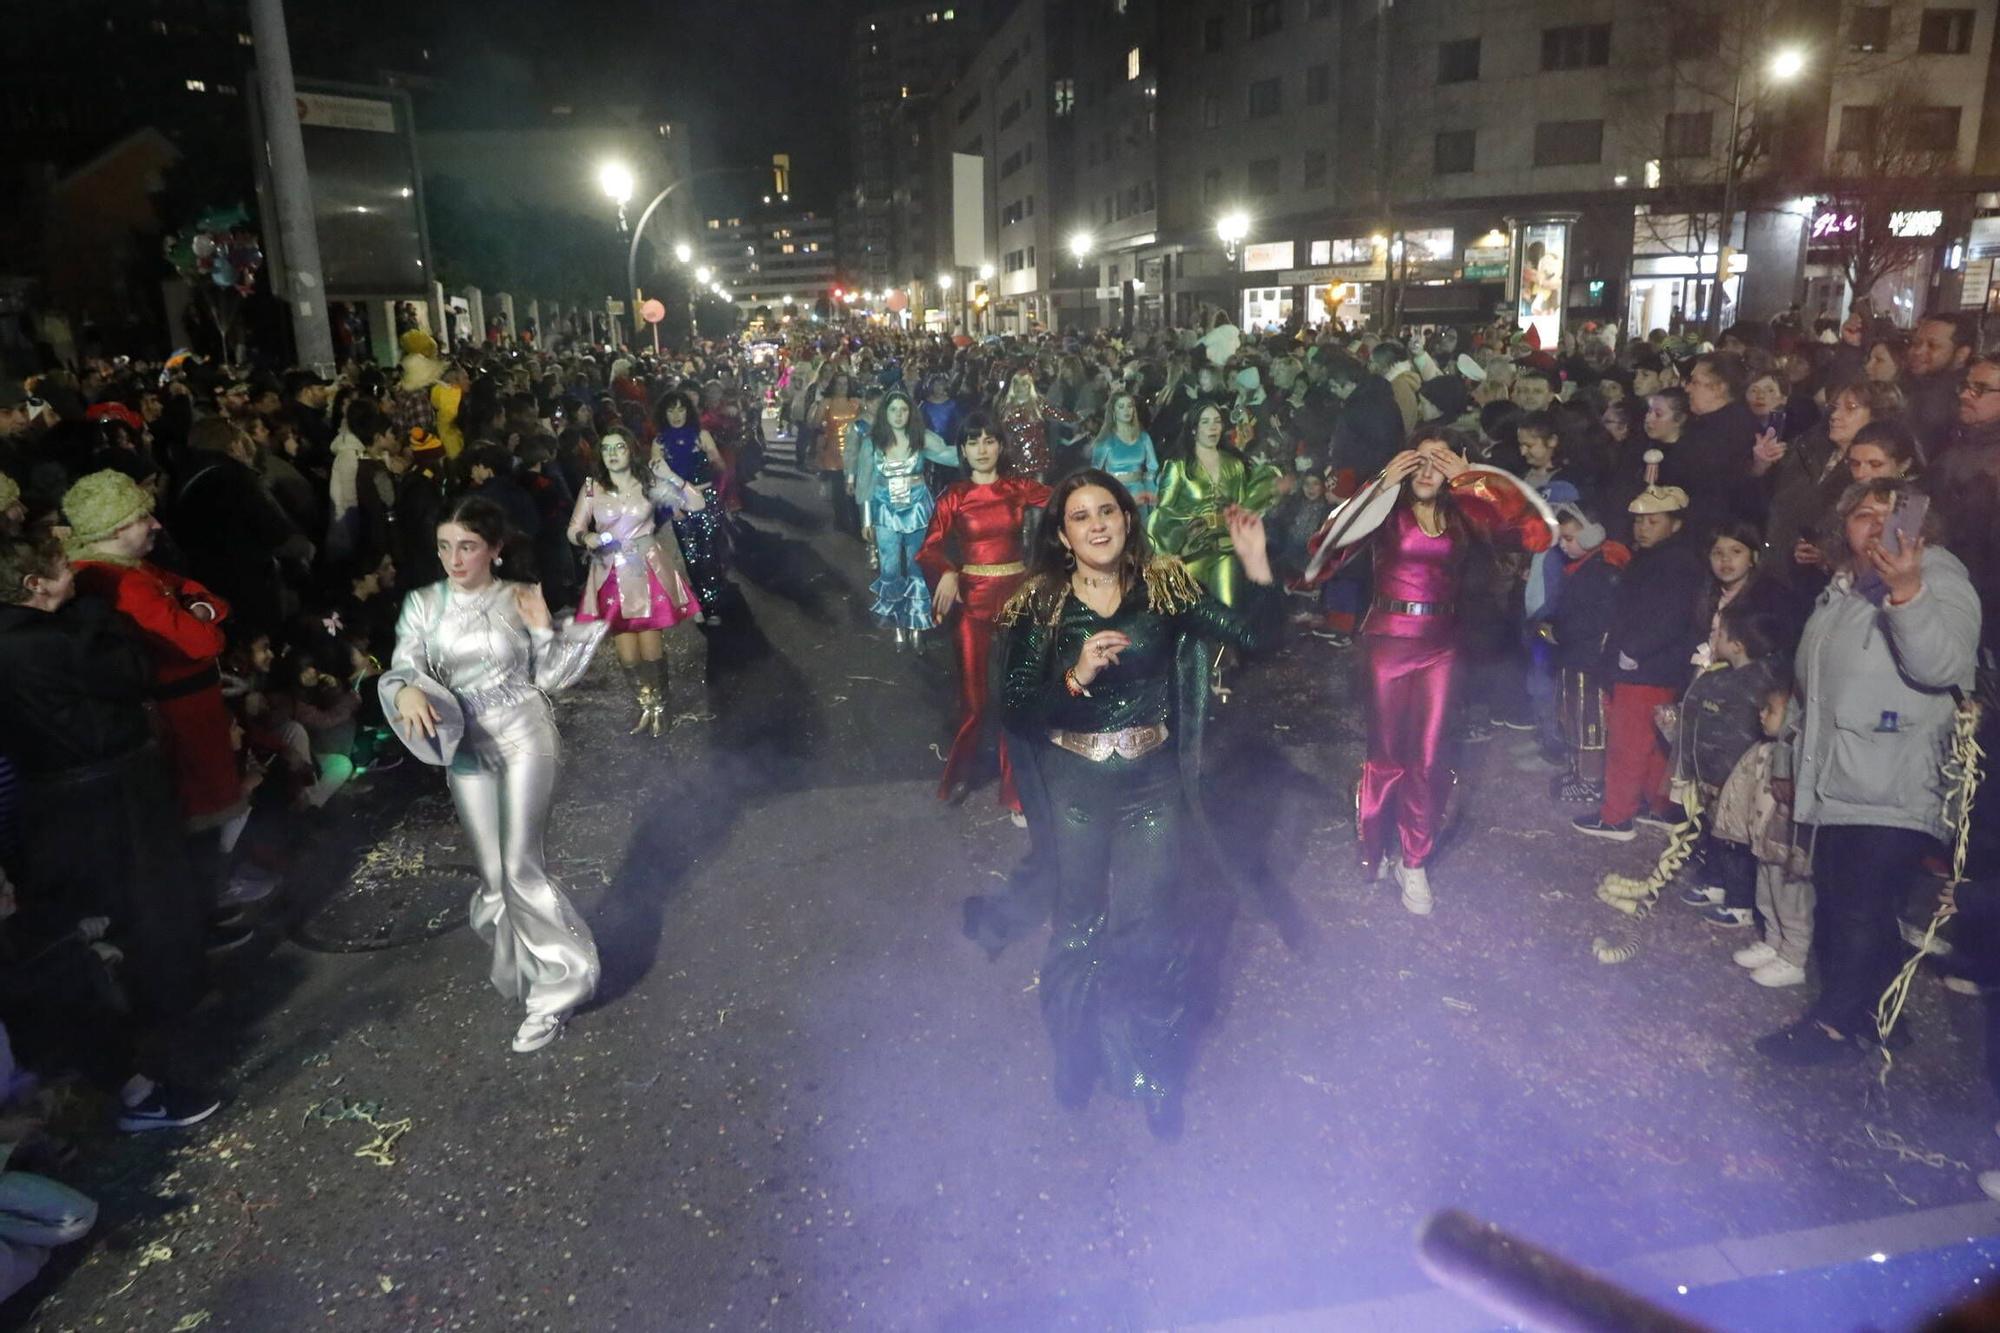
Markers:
{"x": 748, "y": 79}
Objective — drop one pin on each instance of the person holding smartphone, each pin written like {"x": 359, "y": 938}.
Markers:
{"x": 1886, "y": 657}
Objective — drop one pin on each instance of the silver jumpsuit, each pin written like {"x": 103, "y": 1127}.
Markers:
{"x": 503, "y": 774}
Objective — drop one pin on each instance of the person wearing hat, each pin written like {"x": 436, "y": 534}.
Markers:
{"x": 1576, "y": 625}
{"x": 1646, "y": 661}
{"x": 179, "y": 622}
{"x": 411, "y": 407}
{"x": 234, "y": 531}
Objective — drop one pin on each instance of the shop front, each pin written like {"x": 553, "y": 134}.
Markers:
{"x": 1921, "y": 238}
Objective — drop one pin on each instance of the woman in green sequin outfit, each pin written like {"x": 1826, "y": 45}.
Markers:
{"x": 1197, "y": 490}
{"x": 1105, "y": 667}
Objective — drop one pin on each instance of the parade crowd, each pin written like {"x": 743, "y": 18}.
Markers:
{"x": 1734, "y": 589}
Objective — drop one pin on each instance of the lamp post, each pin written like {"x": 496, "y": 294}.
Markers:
{"x": 682, "y": 251}
{"x": 615, "y": 179}
{"x": 1787, "y": 64}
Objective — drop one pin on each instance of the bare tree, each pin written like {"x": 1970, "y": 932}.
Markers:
{"x": 1887, "y": 155}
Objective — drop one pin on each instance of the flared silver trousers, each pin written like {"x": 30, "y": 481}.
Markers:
{"x": 503, "y": 781}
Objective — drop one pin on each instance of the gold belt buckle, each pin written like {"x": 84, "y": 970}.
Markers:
{"x": 1098, "y": 746}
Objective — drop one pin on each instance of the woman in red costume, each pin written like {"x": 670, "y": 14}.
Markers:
{"x": 1436, "y": 504}
{"x": 982, "y": 519}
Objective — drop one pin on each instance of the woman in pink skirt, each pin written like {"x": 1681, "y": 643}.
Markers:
{"x": 638, "y": 581}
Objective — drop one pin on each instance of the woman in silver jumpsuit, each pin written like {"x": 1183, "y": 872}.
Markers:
{"x": 476, "y": 659}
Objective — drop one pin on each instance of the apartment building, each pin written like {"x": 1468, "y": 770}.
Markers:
{"x": 771, "y": 257}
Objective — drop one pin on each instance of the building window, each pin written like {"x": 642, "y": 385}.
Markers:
{"x": 970, "y": 105}
{"x": 1319, "y": 84}
{"x": 1314, "y": 175}
{"x": 1265, "y": 177}
{"x": 1577, "y": 46}
{"x": 1211, "y": 185}
{"x": 1569, "y": 143}
{"x": 1945, "y": 32}
{"x": 1266, "y": 17}
{"x": 1868, "y": 29}
{"x": 1267, "y": 98}
{"x": 1211, "y": 33}
{"x": 1211, "y": 111}
{"x": 1695, "y": 37}
{"x": 1065, "y": 96}
{"x": 1031, "y": 256}
{"x": 1132, "y": 64}
{"x": 1859, "y": 126}
{"x": 1934, "y": 129}
{"x": 196, "y": 86}
{"x": 1458, "y": 62}
{"x": 1689, "y": 134}
{"x": 1454, "y": 151}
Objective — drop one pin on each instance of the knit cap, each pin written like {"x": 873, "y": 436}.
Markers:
{"x": 100, "y": 504}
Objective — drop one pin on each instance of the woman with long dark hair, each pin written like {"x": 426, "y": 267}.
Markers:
{"x": 688, "y": 452}
{"x": 1442, "y": 504}
{"x": 476, "y": 658}
{"x": 974, "y": 557}
{"x": 1106, "y": 658}
{"x": 886, "y": 474}
{"x": 638, "y": 582}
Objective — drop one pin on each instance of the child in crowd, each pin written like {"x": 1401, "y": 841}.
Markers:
{"x": 1292, "y": 523}
{"x": 1577, "y": 626}
{"x": 1718, "y": 721}
{"x": 324, "y": 705}
{"x": 1755, "y": 809}
{"x": 1538, "y": 437}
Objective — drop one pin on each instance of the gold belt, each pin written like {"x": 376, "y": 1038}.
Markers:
{"x": 994, "y": 571}
{"x": 1098, "y": 746}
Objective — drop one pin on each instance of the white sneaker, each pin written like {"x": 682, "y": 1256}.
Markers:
{"x": 1416, "y": 886}
{"x": 537, "y": 1031}
{"x": 1989, "y": 1184}
{"x": 245, "y": 889}
{"x": 1778, "y": 973}
{"x": 1018, "y": 819}
{"x": 1755, "y": 955}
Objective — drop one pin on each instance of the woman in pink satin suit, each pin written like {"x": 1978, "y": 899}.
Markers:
{"x": 1410, "y": 644}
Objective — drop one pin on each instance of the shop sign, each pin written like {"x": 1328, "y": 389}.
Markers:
{"x": 1912, "y": 224}
{"x": 1267, "y": 255}
{"x": 1486, "y": 263}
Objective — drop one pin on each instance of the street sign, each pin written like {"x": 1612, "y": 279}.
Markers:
{"x": 1486, "y": 263}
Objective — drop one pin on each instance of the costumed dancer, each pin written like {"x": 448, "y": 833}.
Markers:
{"x": 1419, "y": 517}
{"x": 1197, "y": 491}
{"x": 887, "y": 476}
{"x": 638, "y": 583}
{"x": 981, "y": 520}
{"x": 1024, "y": 422}
{"x": 1125, "y": 450}
{"x": 689, "y": 452}
{"x": 476, "y": 659}
{"x": 1105, "y": 662}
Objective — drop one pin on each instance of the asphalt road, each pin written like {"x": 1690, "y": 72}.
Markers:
{"x": 804, "y": 1102}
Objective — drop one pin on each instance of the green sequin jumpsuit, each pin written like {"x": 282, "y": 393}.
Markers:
{"x": 1116, "y": 980}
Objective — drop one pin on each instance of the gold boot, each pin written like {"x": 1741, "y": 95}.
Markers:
{"x": 658, "y": 669}
{"x": 649, "y": 711}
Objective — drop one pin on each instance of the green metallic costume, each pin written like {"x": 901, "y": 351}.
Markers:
{"x": 1190, "y": 522}
{"x": 1116, "y": 982}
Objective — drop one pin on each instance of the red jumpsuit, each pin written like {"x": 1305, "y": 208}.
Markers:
{"x": 1410, "y": 646}
{"x": 984, "y": 524}
{"x": 187, "y": 686}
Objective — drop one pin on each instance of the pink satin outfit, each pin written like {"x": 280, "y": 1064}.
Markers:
{"x": 640, "y": 583}
{"x": 1410, "y": 647}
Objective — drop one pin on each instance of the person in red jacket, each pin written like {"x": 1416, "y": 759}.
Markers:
{"x": 983, "y": 519}
{"x": 112, "y": 530}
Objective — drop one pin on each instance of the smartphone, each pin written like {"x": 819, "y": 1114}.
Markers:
{"x": 1906, "y": 524}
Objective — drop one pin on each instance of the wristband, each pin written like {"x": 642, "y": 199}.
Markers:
{"x": 1074, "y": 686}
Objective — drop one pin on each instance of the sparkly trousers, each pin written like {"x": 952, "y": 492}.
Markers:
{"x": 503, "y": 781}
{"x": 1404, "y": 780}
{"x": 1116, "y": 982}
{"x": 973, "y": 637}
{"x": 702, "y": 547}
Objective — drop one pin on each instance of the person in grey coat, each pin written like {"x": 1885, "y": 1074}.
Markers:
{"x": 1886, "y": 657}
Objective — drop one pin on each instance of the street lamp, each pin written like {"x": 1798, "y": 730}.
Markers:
{"x": 1080, "y": 245}
{"x": 1786, "y": 64}
{"x": 615, "y": 179}
{"x": 683, "y": 251}
{"x": 986, "y": 272}
{"x": 944, "y": 282}
{"x": 704, "y": 275}
{"x": 1231, "y": 228}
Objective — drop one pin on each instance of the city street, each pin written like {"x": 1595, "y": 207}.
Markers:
{"x": 803, "y": 1101}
